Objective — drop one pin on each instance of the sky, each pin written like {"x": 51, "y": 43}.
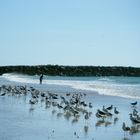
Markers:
{"x": 70, "y": 32}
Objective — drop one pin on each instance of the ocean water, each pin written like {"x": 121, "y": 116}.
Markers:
{"x": 128, "y": 87}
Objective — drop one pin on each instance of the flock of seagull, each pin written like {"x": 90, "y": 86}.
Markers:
{"x": 72, "y": 105}
{"x": 135, "y": 119}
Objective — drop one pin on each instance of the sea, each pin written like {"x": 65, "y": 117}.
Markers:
{"x": 127, "y": 87}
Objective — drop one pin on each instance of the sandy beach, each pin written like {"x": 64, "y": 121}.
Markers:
{"x": 26, "y": 117}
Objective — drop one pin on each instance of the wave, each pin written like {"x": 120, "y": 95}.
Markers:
{"x": 19, "y": 78}
{"x": 102, "y": 85}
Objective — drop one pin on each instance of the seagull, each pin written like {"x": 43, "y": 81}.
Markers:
{"x": 101, "y": 112}
{"x": 133, "y": 104}
{"x": 133, "y": 119}
{"x": 31, "y": 101}
{"x": 3, "y": 94}
{"x": 110, "y": 107}
{"x": 98, "y": 115}
{"x": 135, "y": 112}
{"x": 125, "y": 128}
{"x": 116, "y": 111}
{"x": 90, "y": 105}
{"x": 87, "y": 116}
{"x": 104, "y": 109}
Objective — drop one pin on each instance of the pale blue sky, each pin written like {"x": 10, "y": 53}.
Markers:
{"x": 70, "y": 32}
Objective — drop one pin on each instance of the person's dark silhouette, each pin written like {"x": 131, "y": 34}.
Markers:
{"x": 41, "y": 78}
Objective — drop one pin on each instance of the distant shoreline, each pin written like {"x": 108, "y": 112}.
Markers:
{"x": 60, "y": 70}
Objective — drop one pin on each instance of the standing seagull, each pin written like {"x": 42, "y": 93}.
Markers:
{"x": 125, "y": 128}
{"x": 116, "y": 111}
{"x": 110, "y": 108}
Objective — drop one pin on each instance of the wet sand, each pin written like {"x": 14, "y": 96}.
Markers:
{"x": 22, "y": 120}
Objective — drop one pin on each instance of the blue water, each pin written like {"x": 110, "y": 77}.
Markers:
{"x": 128, "y": 87}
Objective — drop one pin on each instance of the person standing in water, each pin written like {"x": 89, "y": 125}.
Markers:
{"x": 41, "y": 78}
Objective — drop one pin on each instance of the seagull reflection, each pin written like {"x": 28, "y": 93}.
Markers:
{"x": 31, "y": 110}
{"x": 115, "y": 120}
{"x": 53, "y": 112}
{"x": 100, "y": 122}
{"x": 85, "y": 128}
{"x": 59, "y": 114}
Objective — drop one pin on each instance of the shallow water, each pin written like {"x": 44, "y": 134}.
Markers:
{"x": 20, "y": 120}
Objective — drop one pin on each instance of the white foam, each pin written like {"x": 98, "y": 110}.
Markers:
{"x": 19, "y": 78}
